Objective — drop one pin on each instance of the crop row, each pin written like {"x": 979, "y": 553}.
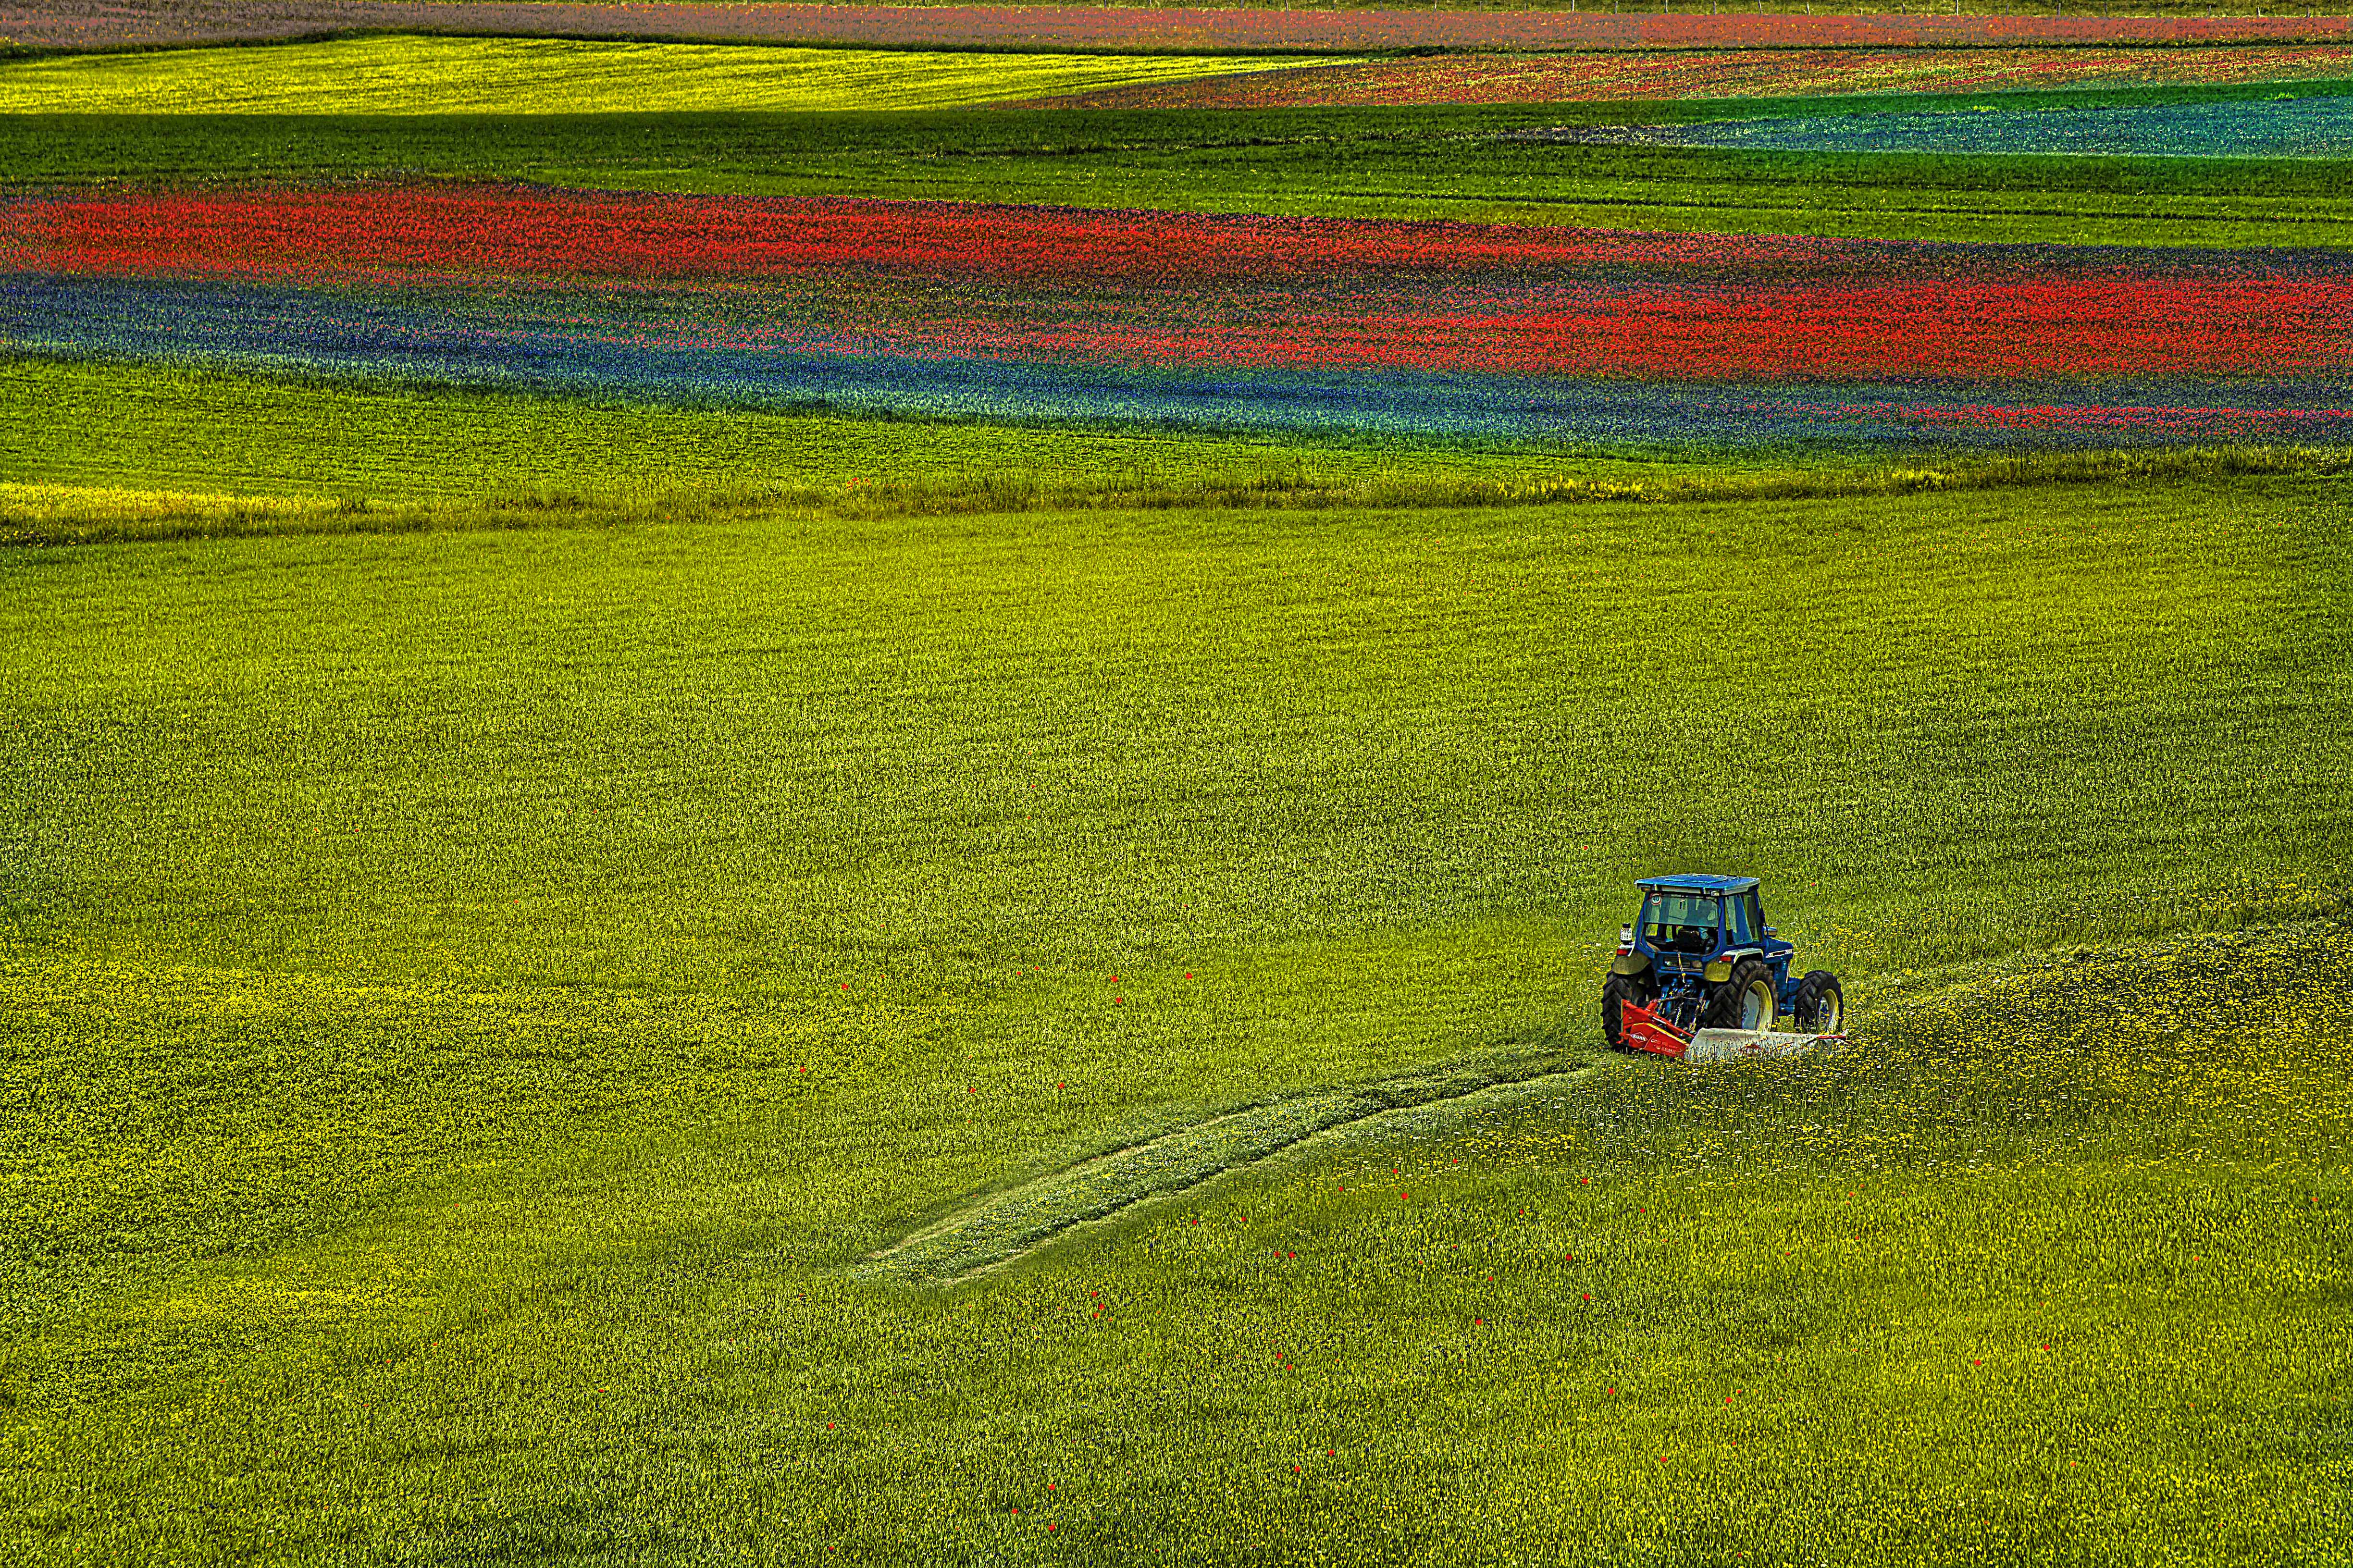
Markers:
{"x": 1596, "y": 76}
{"x": 402, "y": 231}
{"x": 99, "y": 24}
{"x": 2013, "y": 333}
{"x": 105, "y": 451}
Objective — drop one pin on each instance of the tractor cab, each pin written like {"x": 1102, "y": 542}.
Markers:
{"x": 1692, "y": 923}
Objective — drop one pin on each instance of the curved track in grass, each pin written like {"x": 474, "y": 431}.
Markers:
{"x": 994, "y": 1229}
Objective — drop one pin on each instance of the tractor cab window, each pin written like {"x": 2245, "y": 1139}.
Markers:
{"x": 1680, "y": 922}
{"x": 1752, "y": 914}
{"x": 1736, "y": 923}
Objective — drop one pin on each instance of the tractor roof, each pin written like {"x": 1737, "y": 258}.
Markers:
{"x": 1697, "y": 882}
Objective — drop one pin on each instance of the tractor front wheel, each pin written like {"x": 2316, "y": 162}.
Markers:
{"x": 1616, "y": 992}
{"x": 1819, "y": 1006}
{"x": 1745, "y": 1001}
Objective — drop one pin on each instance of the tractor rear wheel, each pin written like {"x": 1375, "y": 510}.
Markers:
{"x": 1745, "y": 1001}
{"x": 1616, "y": 991}
{"x": 1819, "y": 1006}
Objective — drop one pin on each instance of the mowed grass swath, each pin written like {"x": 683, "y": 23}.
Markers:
{"x": 1030, "y": 837}
{"x": 552, "y": 75}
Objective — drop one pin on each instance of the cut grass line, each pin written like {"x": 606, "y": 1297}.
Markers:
{"x": 999, "y": 1228}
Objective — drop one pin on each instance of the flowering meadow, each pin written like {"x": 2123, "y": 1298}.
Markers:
{"x": 852, "y": 791}
{"x": 1146, "y": 318}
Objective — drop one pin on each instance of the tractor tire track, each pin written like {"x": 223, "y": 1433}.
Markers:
{"x": 991, "y": 1231}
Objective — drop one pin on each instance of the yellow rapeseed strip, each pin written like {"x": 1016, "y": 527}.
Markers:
{"x": 84, "y": 503}
{"x": 561, "y": 76}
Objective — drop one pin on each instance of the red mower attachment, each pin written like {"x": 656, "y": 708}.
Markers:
{"x": 1644, "y": 1030}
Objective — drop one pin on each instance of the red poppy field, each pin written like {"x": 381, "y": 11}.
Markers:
{"x": 886, "y": 831}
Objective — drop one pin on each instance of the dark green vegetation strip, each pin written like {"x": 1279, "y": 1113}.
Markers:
{"x": 414, "y": 946}
{"x": 1405, "y": 162}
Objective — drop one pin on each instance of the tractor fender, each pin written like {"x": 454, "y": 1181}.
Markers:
{"x": 1720, "y": 970}
{"x": 1630, "y": 963}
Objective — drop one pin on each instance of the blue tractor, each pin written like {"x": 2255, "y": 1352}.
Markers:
{"x": 1700, "y": 956}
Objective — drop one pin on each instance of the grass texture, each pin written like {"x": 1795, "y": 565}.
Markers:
{"x": 474, "y": 999}
{"x": 554, "y": 76}
{"x": 1442, "y": 163}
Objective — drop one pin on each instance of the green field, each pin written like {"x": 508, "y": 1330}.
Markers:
{"x": 103, "y": 451}
{"x": 104, "y": 426}
{"x": 558, "y": 76}
{"x": 475, "y": 999}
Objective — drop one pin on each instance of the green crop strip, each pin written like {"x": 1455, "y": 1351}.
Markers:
{"x": 552, "y": 76}
{"x": 1420, "y": 162}
{"x": 117, "y": 432}
{"x": 91, "y": 453}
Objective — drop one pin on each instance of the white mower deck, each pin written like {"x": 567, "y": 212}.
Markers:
{"x": 1645, "y": 1031}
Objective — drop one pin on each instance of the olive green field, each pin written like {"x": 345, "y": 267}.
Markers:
{"x": 477, "y": 999}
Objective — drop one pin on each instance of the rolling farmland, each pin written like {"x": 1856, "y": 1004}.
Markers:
{"x": 801, "y": 785}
